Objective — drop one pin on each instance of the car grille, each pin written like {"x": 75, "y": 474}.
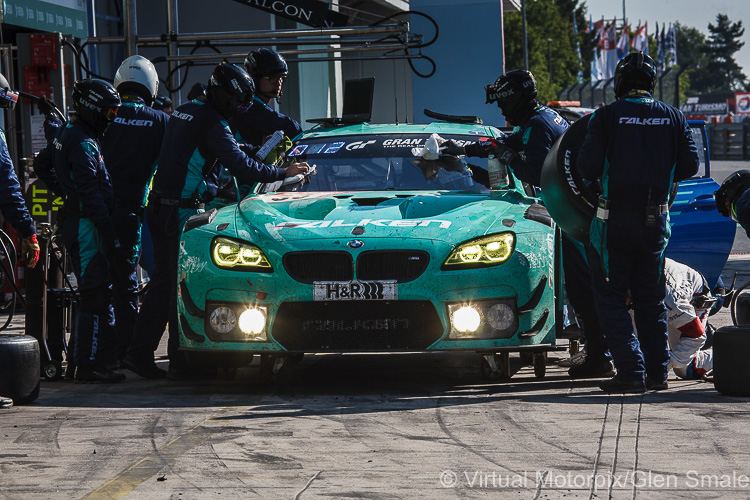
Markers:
{"x": 307, "y": 267}
{"x": 375, "y": 265}
{"x": 357, "y": 326}
{"x": 399, "y": 265}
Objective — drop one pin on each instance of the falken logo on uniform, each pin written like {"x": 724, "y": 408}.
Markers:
{"x": 355, "y": 290}
{"x": 364, "y": 222}
{"x": 182, "y": 116}
{"x": 629, "y": 120}
{"x": 135, "y": 123}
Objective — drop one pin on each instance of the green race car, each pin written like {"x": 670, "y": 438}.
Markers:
{"x": 379, "y": 249}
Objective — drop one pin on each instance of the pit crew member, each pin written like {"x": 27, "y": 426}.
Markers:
{"x": 197, "y": 141}
{"x": 637, "y": 147}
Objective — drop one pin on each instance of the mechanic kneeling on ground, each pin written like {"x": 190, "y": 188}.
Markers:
{"x": 72, "y": 166}
{"x": 733, "y": 198}
{"x": 524, "y": 151}
{"x": 197, "y": 140}
{"x": 637, "y": 146}
{"x": 689, "y": 302}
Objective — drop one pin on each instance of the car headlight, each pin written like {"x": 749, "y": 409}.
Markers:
{"x": 483, "y": 319}
{"x": 486, "y": 251}
{"x": 236, "y": 322}
{"x": 240, "y": 256}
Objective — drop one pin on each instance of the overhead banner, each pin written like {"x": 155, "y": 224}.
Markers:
{"x": 706, "y": 105}
{"x": 66, "y": 16}
{"x": 310, "y": 12}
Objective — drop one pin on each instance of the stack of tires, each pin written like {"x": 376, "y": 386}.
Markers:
{"x": 19, "y": 368}
{"x": 731, "y": 346}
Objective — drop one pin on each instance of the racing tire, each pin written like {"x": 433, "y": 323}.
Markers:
{"x": 741, "y": 306}
{"x": 19, "y": 368}
{"x": 570, "y": 203}
{"x": 731, "y": 370}
{"x": 540, "y": 364}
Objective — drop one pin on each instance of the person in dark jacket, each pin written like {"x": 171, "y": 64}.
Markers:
{"x": 197, "y": 141}
{"x": 524, "y": 152}
{"x": 733, "y": 198}
{"x": 12, "y": 204}
{"x": 637, "y": 147}
{"x": 131, "y": 148}
{"x": 72, "y": 166}
{"x": 268, "y": 70}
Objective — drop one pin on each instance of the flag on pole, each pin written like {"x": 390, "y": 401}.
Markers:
{"x": 598, "y": 28}
{"x": 670, "y": 46}
{"x": 608, "y": 58}
{"x": 623, "y": 44}
{"x": 640, "y": 39}
{"x": 660, "y": 55}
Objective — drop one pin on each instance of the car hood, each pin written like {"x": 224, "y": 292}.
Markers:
{"x": 437, "y": 215}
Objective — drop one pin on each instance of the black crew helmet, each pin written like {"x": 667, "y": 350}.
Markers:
{"x": 265, "y": 62}
{"x": 731, "y": 189}
{"x": 8, "y": 97}
{"x": 230, "y": 90}
{"x": 161, "y": 102}
{"x": 514, "y": 92}
{"x": 197, "y": 91}
{"x": 96, "y": 103}
{"x": 635, "y": 71}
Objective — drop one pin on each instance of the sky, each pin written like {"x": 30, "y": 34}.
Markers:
{"x": 694, "y": 13}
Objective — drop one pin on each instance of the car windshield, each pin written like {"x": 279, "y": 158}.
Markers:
{"x": 379, "y": 162}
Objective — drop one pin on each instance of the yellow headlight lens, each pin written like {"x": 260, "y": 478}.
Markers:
{"x": 231, "y": 254}
{"x": 482, "y": 252}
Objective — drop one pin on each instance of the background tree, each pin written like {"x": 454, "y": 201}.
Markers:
{"x": 722, "y": 73}
{"x": 570, "y": 9}
{"x": 691, "y": 53}
{"x": 544, "y": 21}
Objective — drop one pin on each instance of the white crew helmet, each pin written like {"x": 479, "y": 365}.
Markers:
{"x": 137, "y": 74}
